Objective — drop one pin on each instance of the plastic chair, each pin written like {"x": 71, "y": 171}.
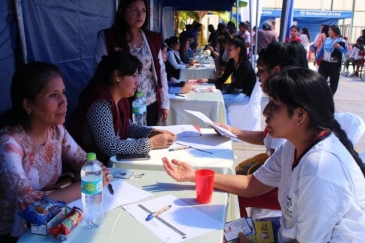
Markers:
{"x": 352, "y": 124}
{"x": 247, "y": 117}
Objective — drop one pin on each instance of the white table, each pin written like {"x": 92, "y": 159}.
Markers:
{"x": 221, "y": 162}
{"x": 209, "y": 103}
{"x": 120, "y": 226}
{"x": 198, "y": 72}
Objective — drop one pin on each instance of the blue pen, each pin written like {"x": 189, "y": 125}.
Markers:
{"x": 179, "y": 148}
{"x": 155, "y": 214}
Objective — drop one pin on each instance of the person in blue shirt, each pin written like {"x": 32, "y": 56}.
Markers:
{"x": 175, "y": 87}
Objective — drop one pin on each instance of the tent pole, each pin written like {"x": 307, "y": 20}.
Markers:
{"x": 352, "y": 21}
{"x": 284, "y": 19}
{"x": 237, "y": 20}
{"x": 257, "y": 29}
{"x": 23, "y": 44}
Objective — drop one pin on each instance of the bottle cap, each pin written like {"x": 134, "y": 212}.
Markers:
{"x": 90, "y": 156}
{"x": 139, "y": 94}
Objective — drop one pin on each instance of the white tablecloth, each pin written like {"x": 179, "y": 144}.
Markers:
{"x": 120, "y": 226}
{"x": 197, "y": 72}
{"x": 221, "y": 162}
{"x": 211, "y": 104}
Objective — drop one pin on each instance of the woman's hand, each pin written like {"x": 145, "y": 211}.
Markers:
{"x": 162, "y": 140}
{"x": 173, "y": 79}
{"x": 164, "y": 113}
{"x": 243, "y": 238}
{"x": 225, "y": 126}
{"x": 186, "y": 88}
{"x": 106, "y": 171}
{"x": 179, "y": 170}
{"x": 202, "y": 80}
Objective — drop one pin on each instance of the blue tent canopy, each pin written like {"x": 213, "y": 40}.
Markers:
{"x": 310, "y": 19}
{"x": 194, "y": 5}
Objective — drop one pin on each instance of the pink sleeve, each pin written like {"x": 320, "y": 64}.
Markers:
{"x": 13, "y": 180}
{"x": 72, "y": 153}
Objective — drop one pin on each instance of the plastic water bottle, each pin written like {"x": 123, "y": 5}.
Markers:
{"x": 92, "y": 191}
{"x": 139, "y": 110}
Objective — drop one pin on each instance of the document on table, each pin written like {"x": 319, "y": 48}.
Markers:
{"x": 124, "y": 193}
{"x": 181, "y": 222}
{"x": 204, "y": 118}
{"x": 177, "y": 96}
{"x": 195, "y": 151}
{"x": 182, "y": 130}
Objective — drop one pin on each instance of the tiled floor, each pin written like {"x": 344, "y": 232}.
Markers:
{"x": 350, "y": 97}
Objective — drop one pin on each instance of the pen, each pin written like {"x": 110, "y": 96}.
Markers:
{"x": 155, "y": 214}
{"x": 110, "y": 188}
{"x": 180, "y": 95}
{"x": 179, "y": 148}
{"x": 195, "y": 148}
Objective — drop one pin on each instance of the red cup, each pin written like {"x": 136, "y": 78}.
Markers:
{"x": 204, "y": 183}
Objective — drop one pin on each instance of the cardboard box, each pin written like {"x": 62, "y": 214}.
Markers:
{"x": 52, "y": 222}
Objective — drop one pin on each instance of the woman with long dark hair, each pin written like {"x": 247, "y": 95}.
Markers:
{"x": 305, "y": 38}
{"x": 101, "y": 121}
{"x": 331, "y": 54}
{"x": 129, "y": 33}
{"x": 174, "y": 63}
{"x": 243, "y": 76}
{"x": 319, "y": 175}
{"x": 35, "y": 147}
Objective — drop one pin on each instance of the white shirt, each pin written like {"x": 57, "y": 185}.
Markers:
{"x": 304, "y": 41}
{"x": 323, "y": 198}
{"x": 172, "y": 60}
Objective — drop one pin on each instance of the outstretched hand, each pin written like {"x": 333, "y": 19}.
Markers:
{"x": 225, "y": 126}
{"x": 179, "y": 170}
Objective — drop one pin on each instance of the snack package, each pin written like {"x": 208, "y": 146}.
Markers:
{"x": 39, "y": 212}
{"x": 64, "y": 228}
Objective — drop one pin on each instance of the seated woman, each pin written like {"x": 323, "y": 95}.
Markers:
{"x": 183, "y": 51}
{"x": 35, "y": 146}
{"x": 174, "y": 63}
{"x": 242, "y": 74}
{"x": 271, "y": 60}
{"x": 317, "y": 171}
{"x": 175, "y": 87}
{"x": 101, "y": 122}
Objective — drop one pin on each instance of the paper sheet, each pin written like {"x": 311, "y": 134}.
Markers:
{"x": 204, "y": 118}
{"x": 177, "y": 96}
{"x": 124, "y": 193}
{"x": 181, "y": 130}
{"x": 181, "y": 222}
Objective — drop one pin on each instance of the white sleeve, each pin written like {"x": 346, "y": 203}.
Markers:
{"x": 100, "y": 48}
{"x": 171, "y": 59}
{"x": 165, "y": 101}
{"x": 270, "y": 172}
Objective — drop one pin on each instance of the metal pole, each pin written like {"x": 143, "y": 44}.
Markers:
{"x": 237, "y": 20}
{"x": 23, "y": 43}
{"x": 284, "y": 19}
{"x": 352, "y": 21}
{"x": 257, "y": 29}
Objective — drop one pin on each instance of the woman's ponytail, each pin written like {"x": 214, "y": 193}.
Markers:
{"x": 340, "y": 133}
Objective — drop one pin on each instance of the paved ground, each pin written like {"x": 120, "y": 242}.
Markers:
{"x": 350, "y": 97}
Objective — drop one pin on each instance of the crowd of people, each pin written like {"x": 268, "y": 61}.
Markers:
{"x": 313, "y": 175}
